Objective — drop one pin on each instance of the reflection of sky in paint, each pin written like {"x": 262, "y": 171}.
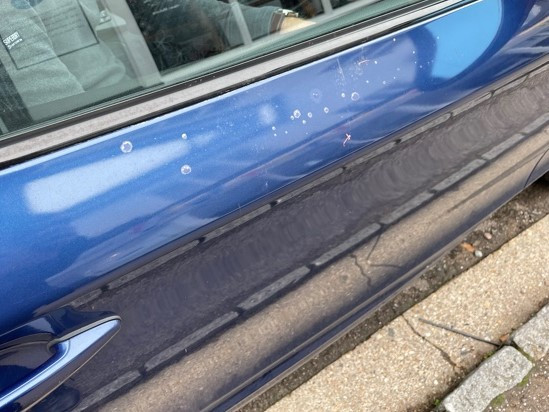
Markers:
{"x": 459, "y": 45}
{"x": 69, "y": 188}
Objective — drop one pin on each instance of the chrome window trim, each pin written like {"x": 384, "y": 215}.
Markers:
{"x": 84, "y": 126}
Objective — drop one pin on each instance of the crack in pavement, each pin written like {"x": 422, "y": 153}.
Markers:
{"x": 369, "y": 256}
{"x": 442, "y": 352}
{"x": 362, "y": 270}
{"x": 458, "y": 332}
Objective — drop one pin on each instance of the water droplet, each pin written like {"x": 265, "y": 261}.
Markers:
{"x": 326, "y": 110}
{"x": 394, "y": 77}
{"x": 285, "y": 132}
{"x": 297, "y": 114}
{"x": 384, "y": 82}
{"x": 413, "y": 52}
{"x": 304, "y": 121}
{"x": 186, "y": 169}
{"x": 394, "y": 39}
{"x": 184, "y": 136}
{"x": 292, "y": 118}
{"x": 342, "y": 94}
{"x": 375, "y": 61}
{"x": 309, "y": 115}
{"x": 421, "y": 66}
{"x": 274, "y": 128}
{"x": 368, "y": 81}
{"x": 275, "y": 135}
{"x": 126, "y": 146}
{"x": 355, "y": 96}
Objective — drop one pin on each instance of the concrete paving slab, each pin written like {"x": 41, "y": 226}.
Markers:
{"x": 401, "y": 369}
{"x": 496, "y": 375}
{"x": 531, "y": 395}
{"x": 375, "y": 377}
{"x": 533, "y": 337}
{"x": 462, "y": 352}
{"x": 488, "y": 301}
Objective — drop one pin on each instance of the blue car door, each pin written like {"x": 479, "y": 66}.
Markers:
{"x": 176, "y": 179}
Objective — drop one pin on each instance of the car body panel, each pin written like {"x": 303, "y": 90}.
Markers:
{"x": 286, "y": 294}
{"x": 90, "y": 209}
{"x": 192, "y": 222}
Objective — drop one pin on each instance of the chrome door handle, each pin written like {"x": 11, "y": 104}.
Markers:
{"x": 71, "y": 352}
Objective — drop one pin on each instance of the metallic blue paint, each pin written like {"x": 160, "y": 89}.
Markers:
{"x": 72, "y": 217}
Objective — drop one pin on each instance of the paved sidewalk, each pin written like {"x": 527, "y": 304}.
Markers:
{"x": 415, "y": 360}
{"x": 532, "y": 395}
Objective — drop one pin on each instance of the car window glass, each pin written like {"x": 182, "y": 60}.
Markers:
{"x": 60, "y": 57}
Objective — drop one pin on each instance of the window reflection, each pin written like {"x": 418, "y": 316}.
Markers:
{"x": 60, "y": 56}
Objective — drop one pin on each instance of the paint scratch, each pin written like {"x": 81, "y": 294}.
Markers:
{"x": 347, "y": 138}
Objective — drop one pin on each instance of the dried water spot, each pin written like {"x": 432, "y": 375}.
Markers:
{"x": 126, "y": 147}
{"x": 186, "y": 169}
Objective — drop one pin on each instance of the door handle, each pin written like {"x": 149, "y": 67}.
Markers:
{"x": 70, "y": 352}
